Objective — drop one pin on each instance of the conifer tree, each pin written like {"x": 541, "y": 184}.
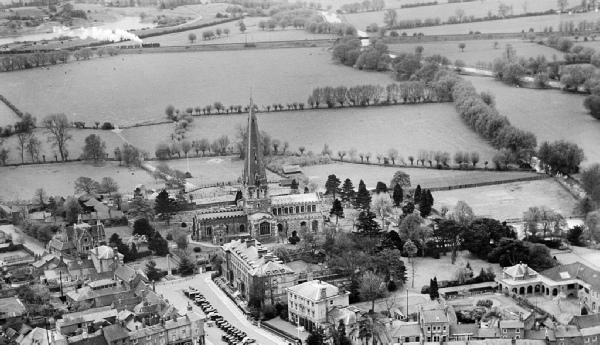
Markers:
{"x": 434, "y": 289}
{"x": 337, "y": 210}
{"x": 424, "y": 206}
{"x": 363, "y": 197}
{"x": 186, "y": 267}
{"x": 294, "y": 187}
{"x": 398, "y": 195}
{"x": 332, "y": 186}
{"x": 429, "y": 198}
{"x": 164, "y": 205}
{"x": 417, "y": 196}
{"x": 152, "y": 272}
{"x": 367, "y": 224}
{"x": 348, "y": 191}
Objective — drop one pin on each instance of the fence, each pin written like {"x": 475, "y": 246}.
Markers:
{"x": 169, "y": 282}
{"x": 285, "y": 335}
{"x": 491, "y": 183}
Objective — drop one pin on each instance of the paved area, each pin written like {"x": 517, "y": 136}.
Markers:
{"x": 30, "y": 243}
{"x": 586, "y": 256}
{"x": 174, "y": 293}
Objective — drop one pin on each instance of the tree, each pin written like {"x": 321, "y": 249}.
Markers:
{"x": 463, "y": 273}
{"x": 433, "y": 289}
{"x": 141, "y": 207}
{"x": 226, "y": 31}
{"x": 417, "y": 195}
{"x": 34, "y": 147}
{"x": 94, "y": 148}
{"x": 425, "y": 204}
{"x": 108, "y": 185}
{"x": 462, "y": 46}
{"x": 540, "y": 258}
{"x": 22, "y": 140}
{"x": 86, "y": 185}
{"x": 460, "y": 13}
{"x": 393, "y": 155}
{"x": 452, "y": 234}
{"x": 372, "y": 287}
{"x": 366, "y": 223}
{"x": 58, "y": 129}
{"x": 463, "y": 213}
{"x": 72, "y": 210}
{"x": 509, "y": 252}
{"x": 482, "y": 235}
{"x": 398, "y": 195}
{"x": 152, "y": 272}
{"x": 390, "y": 18}
{"x": 41, "y": 197}
{"x": 574, "y": 235}
{"x": 561, "y": 156}
{"x": 337, "y": 210}
{"x": 503, "y": 10}
{"x": 347, "y": 192}
{"x": 562, "y": 4}
{"x": 316, "y": 337}
{"x": 590, "y": 181}
{"x": 242, "y": 26}
{"x": 401, "y": 178}
{"x": 410, "y": 249}
{"x": 142, "y": 227}
{"x": 164, "y": 206}
{"x": 192, "y": 37}
{"x": 332, "y": 185}
{"x": 363, "y": 197}
{"x": 410, "y": 227}
{"x": 382, "y": 206}
{"x": 592, "y": 223}
{"x": 186, "y": 267}
{"x": 388, "y": 264}
{"x": 294, "y": 187}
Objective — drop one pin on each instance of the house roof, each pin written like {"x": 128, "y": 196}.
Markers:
{"x": 541, "y": 334}
{"x": 146, "y": 331}
{"x": 568, "y": 331}
{"x": 511, "y": 324}
{"x": 271, "y": 268}
{"x": 102, "y": 282}
{"x": 294, "y": 199}
{"x": 90, "y": 315}
{"x": 519, "y": 270}
{"x": 114, "y": 333}
{"x": 489, "y": 333}
{"x": 576, "y": 270}
{"x": 127, "y": 273}
{"x": 590, "y": 331}
{"x": 105, "y": 253}
{"x": 585, "y": 321}
{"x": 215, "y": 200}
{"x": 84, "y": 264}
{"x": 40, "y": 336}
{"x": 437, "y": 315}
{"x": 312, "y": 290}
{"x": 11, "y": 306}
{"x": 60, "y": 246}
{"x": 88, "y": 339}
{"x": 86, "y": 293}
{"x": 408, "y": 331}
{"x": 288, "y": 169}
{"x": 467, "y": 328}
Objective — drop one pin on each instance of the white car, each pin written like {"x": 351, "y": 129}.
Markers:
{"x": 248, "y": 340}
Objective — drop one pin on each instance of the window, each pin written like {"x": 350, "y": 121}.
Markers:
{"x": 517, "y": 330}
{"x": 428, "y": 330}
{"x": 595, "y": 338}
{"x": 135, "y": 341}
{"x": 208, "y": 231}
{"x": 444, "y": 328}
{"x": 302, "y": 209}
{"x": 183, "y": 333}
{"x": 517, "y": 337}
{"x": 148, "y": 337}
{"x": 406, "y": 339}
{"x": 162, "y": 334}
{"x": 503, "y": 330}
{"x": 331, "y": 302}
{"x": 265, "y": 228}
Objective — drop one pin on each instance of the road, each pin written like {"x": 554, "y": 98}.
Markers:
{"x": 225, "y": 307}
{"x": 29, "y": 242}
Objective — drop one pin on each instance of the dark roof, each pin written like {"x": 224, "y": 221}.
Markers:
{"x": 489, "y": 333}
{"x": 575, "y": 270}
{"x": 567, "y": 331}
{"x": 585, "y": 321}
{"x": 59, "y": 245}
{"x": 101, "y": 275}
{"x": 90, "y": 339}
{"x": 114, "y": 333}
{"x": 541, "y": 334}
{"x": 85, "y": 264}
{"x": 467, "y": 328}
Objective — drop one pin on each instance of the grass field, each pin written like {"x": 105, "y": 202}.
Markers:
{"x": 478, "y": 50}
{"x": 75, "y": 146}
{"x": 362, "y": 19}
{"x": 408, "y": 128}
{"x": 427, "y": 178}
{"x": 550, "y": 114}
{"x": 147, "y": 83}
{"x": 509, "y": 201}
{"x": 7, "y": 116}
{"x": 58, "y": 179}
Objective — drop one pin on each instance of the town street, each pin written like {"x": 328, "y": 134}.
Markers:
{"x": 28, "y": 242}
{"x": 174, "y": 293}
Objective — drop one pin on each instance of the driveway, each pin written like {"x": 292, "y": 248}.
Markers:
{"x": 29, "y": 242}
{"x": 174, "y": 293}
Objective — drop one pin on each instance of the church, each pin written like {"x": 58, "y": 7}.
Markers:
{"x": 259, "y": 214}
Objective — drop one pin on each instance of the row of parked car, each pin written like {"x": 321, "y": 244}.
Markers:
{"x": 233, "y": 335}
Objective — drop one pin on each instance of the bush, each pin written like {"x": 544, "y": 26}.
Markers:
{"x": 107, "y": 126}
{"x": 294, "y": 239}
{"x": 485, "y": 303}
{"x": 197, "y": 249}
{"x": 592, "y": 104}
{"x": 391, "y": 286}
{"x": 425, "y": 289}
{"x": 169, "y": 237}
{"x": 269, "y": 312}
{"x": 143, "y": 254}
{"x": 435, "y": 254}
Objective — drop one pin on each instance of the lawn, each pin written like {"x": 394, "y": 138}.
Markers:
{"x": 478, "y": 50}
{"x": 426, "y": 178}
{"x": 408, "y": 128}
{"x": 538, "y": 23}
{"x": 509, "y": 201}
{"x": 58, "y": 179}
{"x": 7, "y": 116}
{"x": 550, "y": 114}
{"x": 133, "y": 88}
{"x": 75, "y": 146}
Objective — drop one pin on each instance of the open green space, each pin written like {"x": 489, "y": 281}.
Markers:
{"x": 426, "y": 178}
{"x": 59, "y": 179}
{"x": 550, "y": 114}
{"x": 478, "y": 50}
{"x": 7, "y": 116}
{"x": 128, "y": 89}
{"x": 509, "y": 201}
{"x": 407, "y": 128}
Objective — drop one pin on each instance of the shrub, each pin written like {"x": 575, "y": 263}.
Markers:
{"x": 592, "y": 104}
{"x": 169, "y": 237}
{"x": 425, "y": 289}
{"x": 197, "y": 249}
{"x": 435, "y": 254}
{"x": 485, "y": 303}
{"x": 294, "y": 239}
{"x": 107, "y": 126}
{"x": 269, "y": 312}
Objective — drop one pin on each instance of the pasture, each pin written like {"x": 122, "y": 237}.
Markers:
{"x": 407, "y": 128}
{"x": 509, "y": 201}
{"x": 362, "y": 19}
{"x": 478, "y": 50}
{"x": 426, "y": 178}
{"x": 7, "y": 116}
{"x": 20, "y": 182}
{"x": 550, "y": 114}
{"x": 129, "y": 89}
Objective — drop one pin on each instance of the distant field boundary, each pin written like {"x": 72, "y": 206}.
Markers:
{"x": 491, "y": 183}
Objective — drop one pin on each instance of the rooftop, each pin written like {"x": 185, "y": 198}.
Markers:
{"x": 294, "y": 199}
{"x": 312, "y": 290}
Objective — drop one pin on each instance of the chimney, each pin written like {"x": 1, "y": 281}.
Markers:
{"x": 323, "y": 294}
{"x": 250, "y": 242}
{"x": 136, "y": 327}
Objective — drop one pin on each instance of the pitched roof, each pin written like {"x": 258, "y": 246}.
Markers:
{"x": 125, "y": 273}
{"x": 288, "y": 169}
{"x": 146, "y": 331}
{"x": 437, "y": 315}
{"x": 11, "y": 306}
{"x": 59, "y": 245}
{"x": 408, "y": 331}
{"x": 88, "y": 339}
{"x": 467, "y": 328}
{"x": 105, "y": 253}
{"x": 568, "y": 331}
{"x": 312, "y": 290}
{"x": 519, "y": 270}
{"x": 489, "y": 333}
{"x": 271, "y": 268}
{"x": 86, "y": 293}
{"x": 541, "y": 334}
{"x": 511, "y": 324}
{"x": 114, "y": 333}
{"x": 40, "y": 336}
{"x": 585, "y": 321}
{"x": 90, "y": 315}
{"x": 576, "y": 270}
{"x": 295, "y": 199}
{"x": 215, "y": 200}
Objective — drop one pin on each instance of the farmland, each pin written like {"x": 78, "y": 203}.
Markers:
{"x": 550, "y": 114}
{"x": 408, "y": 128}
{"x": 149, "y": 82}
{"x": 426, "y": 178}
{"x": 478, "y": 50}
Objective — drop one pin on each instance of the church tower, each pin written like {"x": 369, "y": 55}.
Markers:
{"x": 255, "y": 176}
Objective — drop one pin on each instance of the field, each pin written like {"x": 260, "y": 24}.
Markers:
{"x": 408, "y": 128}
{"x": 58, "y": 179}
{"x": 147, "y": 83}
{"x": 75, "y": 146}
{"x": 362, "y": 19}
{"x": 478, "y": 50}
{"x": 509, "y": 201}
{"x": 7, "y": 116}
{"x": 550, "y": 114}
{"x": 427, "y": 178}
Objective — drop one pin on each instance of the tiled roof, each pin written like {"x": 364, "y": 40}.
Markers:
{"x": 125, "y": 273}
{"x": 590, "y": 331}
{"x": 146, "y": 331}
{"x": 312, "y": 290}
{"x": 114, "y": 333}
{"x": 408, "y": 331}
{"x": 294, "y": 199}
{"x": 104, "y": 252}
{"x": 511, "y": 324}
{"x": 489, "y": 333}
{"x": 567, "y": 331}
{"x": 586, "y": 321}
{"x": 437, "y": 315}
{"x": 59, "y": 245}
{"x": 40, "y": 336}
{"x": 93, "y": 314}
{"x": 467, "y": 328}
{"x": 11, "y": 306}
{"x": 541, "y": 334}
{"x": 88, "y": 339}
{"x": 575, "y": 270}
{"x": 271, "y": 268}
{"x": 177, "y": 322}
{"x": 86, "y": 293}
{"x": 102, "y": 282}
{"x": 215, "y": 200}
{"x": 519, "y": 270}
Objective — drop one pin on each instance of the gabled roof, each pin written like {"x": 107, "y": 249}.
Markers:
{"x": 146, "y": 331}
{"x": 85, "y": 264}
{"x": 90, "y": 315}
{"x": 467, "y": 328}
{"x": 288, "y": 169}
{"x": 295, "y": 199}
{"x": 271, "y": 268}
{"x": 312, "y": 290}
{"x": 127, "y": 273}
{"x": 519, "y": 270}
{"x": 114, "y": 333}
{"x": 88, "y": 339}
{"x": 105, "y": 253}
{"x": 541, "y": 334}
{"x": 60, "y": 246}
{"x": 11, "y": 307}
{"x": 40, "y": 336}
{"x": 413, "y": 330}
{"x": 86, "y": 293}
{"x": 437, "y": 315}
{"x": 511, "y": 324}
{"x": 487, "y": 333}
{"x": 567, "y": 331}
{"x": 575, "y": 270}
{"x": 586, "y": 321}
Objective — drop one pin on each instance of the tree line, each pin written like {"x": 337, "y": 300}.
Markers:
{"x": 39, "y": 58}
{"x": 308, "y": 19}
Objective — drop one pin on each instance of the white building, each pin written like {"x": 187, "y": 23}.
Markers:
{"x": 310, "y": 303}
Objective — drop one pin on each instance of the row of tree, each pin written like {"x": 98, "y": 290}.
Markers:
{"x": 40, "y": 58}
{"x": 366, "y": 5}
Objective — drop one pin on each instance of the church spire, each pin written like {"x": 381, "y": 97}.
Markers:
{"x": 255, "y": 175}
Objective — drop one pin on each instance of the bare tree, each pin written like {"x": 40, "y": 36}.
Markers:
{"x": 58, "y": 130}
{"x": 22, "y": 139}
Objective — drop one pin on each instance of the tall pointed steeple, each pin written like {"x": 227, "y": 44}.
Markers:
{"x": 255, "y": 176}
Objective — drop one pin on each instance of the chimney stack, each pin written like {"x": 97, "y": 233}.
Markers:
{"x": 323, "y": 294}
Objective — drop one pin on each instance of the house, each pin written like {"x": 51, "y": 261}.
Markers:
{"x": 589, "y": 326}
{"x": 545, "y": 334}
{"x": 407, "y": 333}
{"x": 86, "y": 320}
{"x": 464, "y": 332}
{"x": 116, "y": 334}
{"x": 106, "y": 259}
{"x": 151, "y": 335}
{"x": 60, "y": 248}
{"x": 5, "y": 214}
{"x": 435, "y": 318}
{"x": 512, "y": 329}
{"x": 100, "y": 211}
{"x": 568, "y": 335}
{"x": 251, "y": 269}
{"x": 11, "y": 310}
{"x": 41, "y": 336}
{"x": 128, "y": 276}
{"x": 85, "y": 338}
{"x": 292, "y": 169}
{"x": 78, "y": 239}
{"x": 310, "y": 302}
{"x": 185, "y": 329}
